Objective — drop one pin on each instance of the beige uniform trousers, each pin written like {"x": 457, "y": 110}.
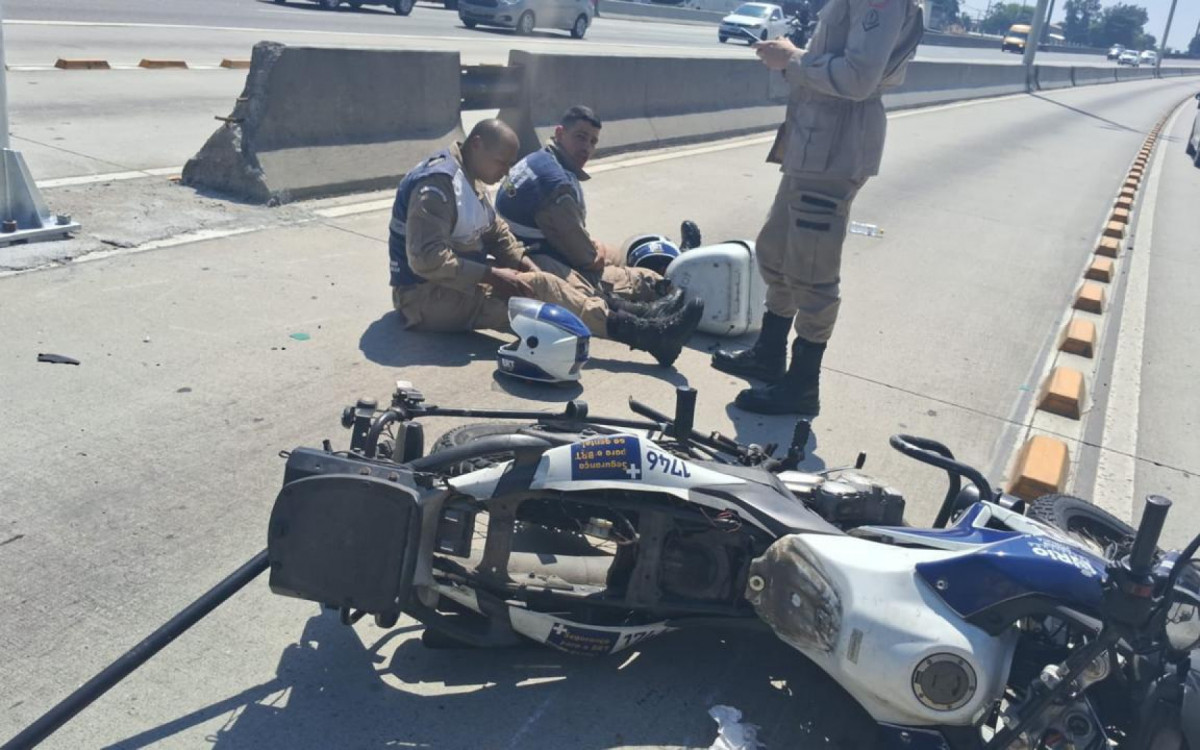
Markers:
{"x": 435, "y": 307}
{"x": 634, "y": 284}
{"x": 799, "y": 251}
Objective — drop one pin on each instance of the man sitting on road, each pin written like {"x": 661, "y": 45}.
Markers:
{"x": 444, "y": 228}
{"x": 542, "y": 201}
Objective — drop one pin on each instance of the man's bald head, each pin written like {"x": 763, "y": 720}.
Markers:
{"x": 491, "y": 150}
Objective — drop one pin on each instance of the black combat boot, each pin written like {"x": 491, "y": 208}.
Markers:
{"x": 767, "y": 359}
{"x": 662, "y": 337}
{"x": 689, "y": 235}
{"x": 797, "y": 392}
{"x": 669, "y": 303}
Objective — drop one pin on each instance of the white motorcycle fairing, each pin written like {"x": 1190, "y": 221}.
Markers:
{"x": 859, "y": 610}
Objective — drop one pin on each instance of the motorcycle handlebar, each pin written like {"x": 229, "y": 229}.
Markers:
{"x": 935, "y": 454}
{"x": 1145, "y": 544}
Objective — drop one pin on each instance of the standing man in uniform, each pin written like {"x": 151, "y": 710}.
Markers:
{"x": 443, "y": 228}
{"x": 542, "y": 202}
{"x": 830, "y": 143}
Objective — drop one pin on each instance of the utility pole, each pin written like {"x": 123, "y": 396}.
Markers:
{"x": 1031, "y": 44}
{"x": 1162, "y": 46}
{"x": 23, "y": 214}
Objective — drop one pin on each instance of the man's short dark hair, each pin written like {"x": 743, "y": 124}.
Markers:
{"x": 580, "y": 113}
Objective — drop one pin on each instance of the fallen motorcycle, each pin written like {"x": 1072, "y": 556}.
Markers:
{"x": 1053, "y": 626}
{"x": 1001, "y": 626}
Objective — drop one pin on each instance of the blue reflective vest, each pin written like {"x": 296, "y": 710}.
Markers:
{"x": 526, "y": 188}
{"x": 474, "y": 215}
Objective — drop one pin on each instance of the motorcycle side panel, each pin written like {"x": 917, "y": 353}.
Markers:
{"x": 622, "y": 462}
{"x": 888, "y": 629}
{"x": 726, "y": 277}
{"x": 979, "y": 582}
{"x": 582, "y": 640}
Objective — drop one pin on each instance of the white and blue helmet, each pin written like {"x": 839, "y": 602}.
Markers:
{"x": 551, "y": 346}
{"x": 652, "y": 251}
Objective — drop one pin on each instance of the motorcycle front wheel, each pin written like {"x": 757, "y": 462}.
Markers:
{"x": 1094, "y": 527}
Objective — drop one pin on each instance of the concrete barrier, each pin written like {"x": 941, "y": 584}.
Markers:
{"x": 610, "y": 8}
{"x": 1131, "y": 74}
{"x": 313, "y": 122}
{"x": 645, "y": 102}
{"x": 939, "y": 39}
{"x": 1053, "y": 77}
{"x": 936, "y": 83}
{"x": 1091, "y": 76}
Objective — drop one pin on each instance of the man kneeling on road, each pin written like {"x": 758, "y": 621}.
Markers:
{"x": 444, "y": 227}
{"x": 542, "y": 201}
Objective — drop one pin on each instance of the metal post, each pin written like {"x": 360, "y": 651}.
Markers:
{"x": 23, "y": 214}
{"x": 3, "y": 85}
{"x": 1162, "y": 45}
{"x": 1031, "y": 44}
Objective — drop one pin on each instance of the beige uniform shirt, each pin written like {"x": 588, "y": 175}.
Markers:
{"x": 433, "y": 253}
{"x": 835, "y": 120}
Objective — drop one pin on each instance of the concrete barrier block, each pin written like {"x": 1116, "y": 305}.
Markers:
{"x": 1042, "y": 468}
{"x": 1101, "y": 269}
{"x": 1063, "y": 393}
{"x": 645, "y": 102}
{"x": 1079, "y": 338}
{"x": 1090, "y": 298}
{"x": 1109, "y": 247}
{"x": 321, "y": 121}
{"x": 929, "y": 83}
{"x": 1050, "y": 77}
{"x": 162, "y": 64}
{"x": 80, "y": 64}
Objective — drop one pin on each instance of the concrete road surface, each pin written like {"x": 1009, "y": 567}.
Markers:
{"x": 133, "y": 482}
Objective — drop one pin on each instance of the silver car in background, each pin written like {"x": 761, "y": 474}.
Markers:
{"x": 526, "y": 15}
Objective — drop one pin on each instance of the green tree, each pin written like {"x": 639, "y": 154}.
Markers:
{"x": 1078, "y": 20}
{"x": 1003, "y": 15}
{"x": 1121, "y": 24}
{"x": 943, "y": 12}
{"x": 1194, "y": 46}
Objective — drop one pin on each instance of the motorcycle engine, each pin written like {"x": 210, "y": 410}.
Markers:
{"x": 847, "y": 498}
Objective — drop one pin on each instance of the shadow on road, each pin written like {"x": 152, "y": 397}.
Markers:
{"x": 331, "y": 691}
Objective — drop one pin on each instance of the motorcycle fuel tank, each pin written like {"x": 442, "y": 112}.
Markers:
{"x": 726, "y": 277}
{"x": 858, "y": 609}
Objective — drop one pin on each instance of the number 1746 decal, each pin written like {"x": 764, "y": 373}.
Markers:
{"x": 668, "y": 465}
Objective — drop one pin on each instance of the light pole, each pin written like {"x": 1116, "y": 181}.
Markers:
{"x": 1162, "y": 46}
{"x": 23, "y": 214}
{"x": 1031, "y": 44}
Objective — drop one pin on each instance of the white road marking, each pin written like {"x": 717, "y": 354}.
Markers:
{"x": 88, "y": 179}
{"x": 1117, "y": 467}
{"x": 334, "y": 212}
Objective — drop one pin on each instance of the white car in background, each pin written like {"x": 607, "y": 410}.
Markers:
{"x": 1149, "y": 56}
{"x": 763, "y": 21}
{"x": 1129, "y": 57}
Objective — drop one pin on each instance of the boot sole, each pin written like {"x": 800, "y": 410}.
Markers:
{"x": 773, "y": 409}
{"x": 749, "y": 373}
